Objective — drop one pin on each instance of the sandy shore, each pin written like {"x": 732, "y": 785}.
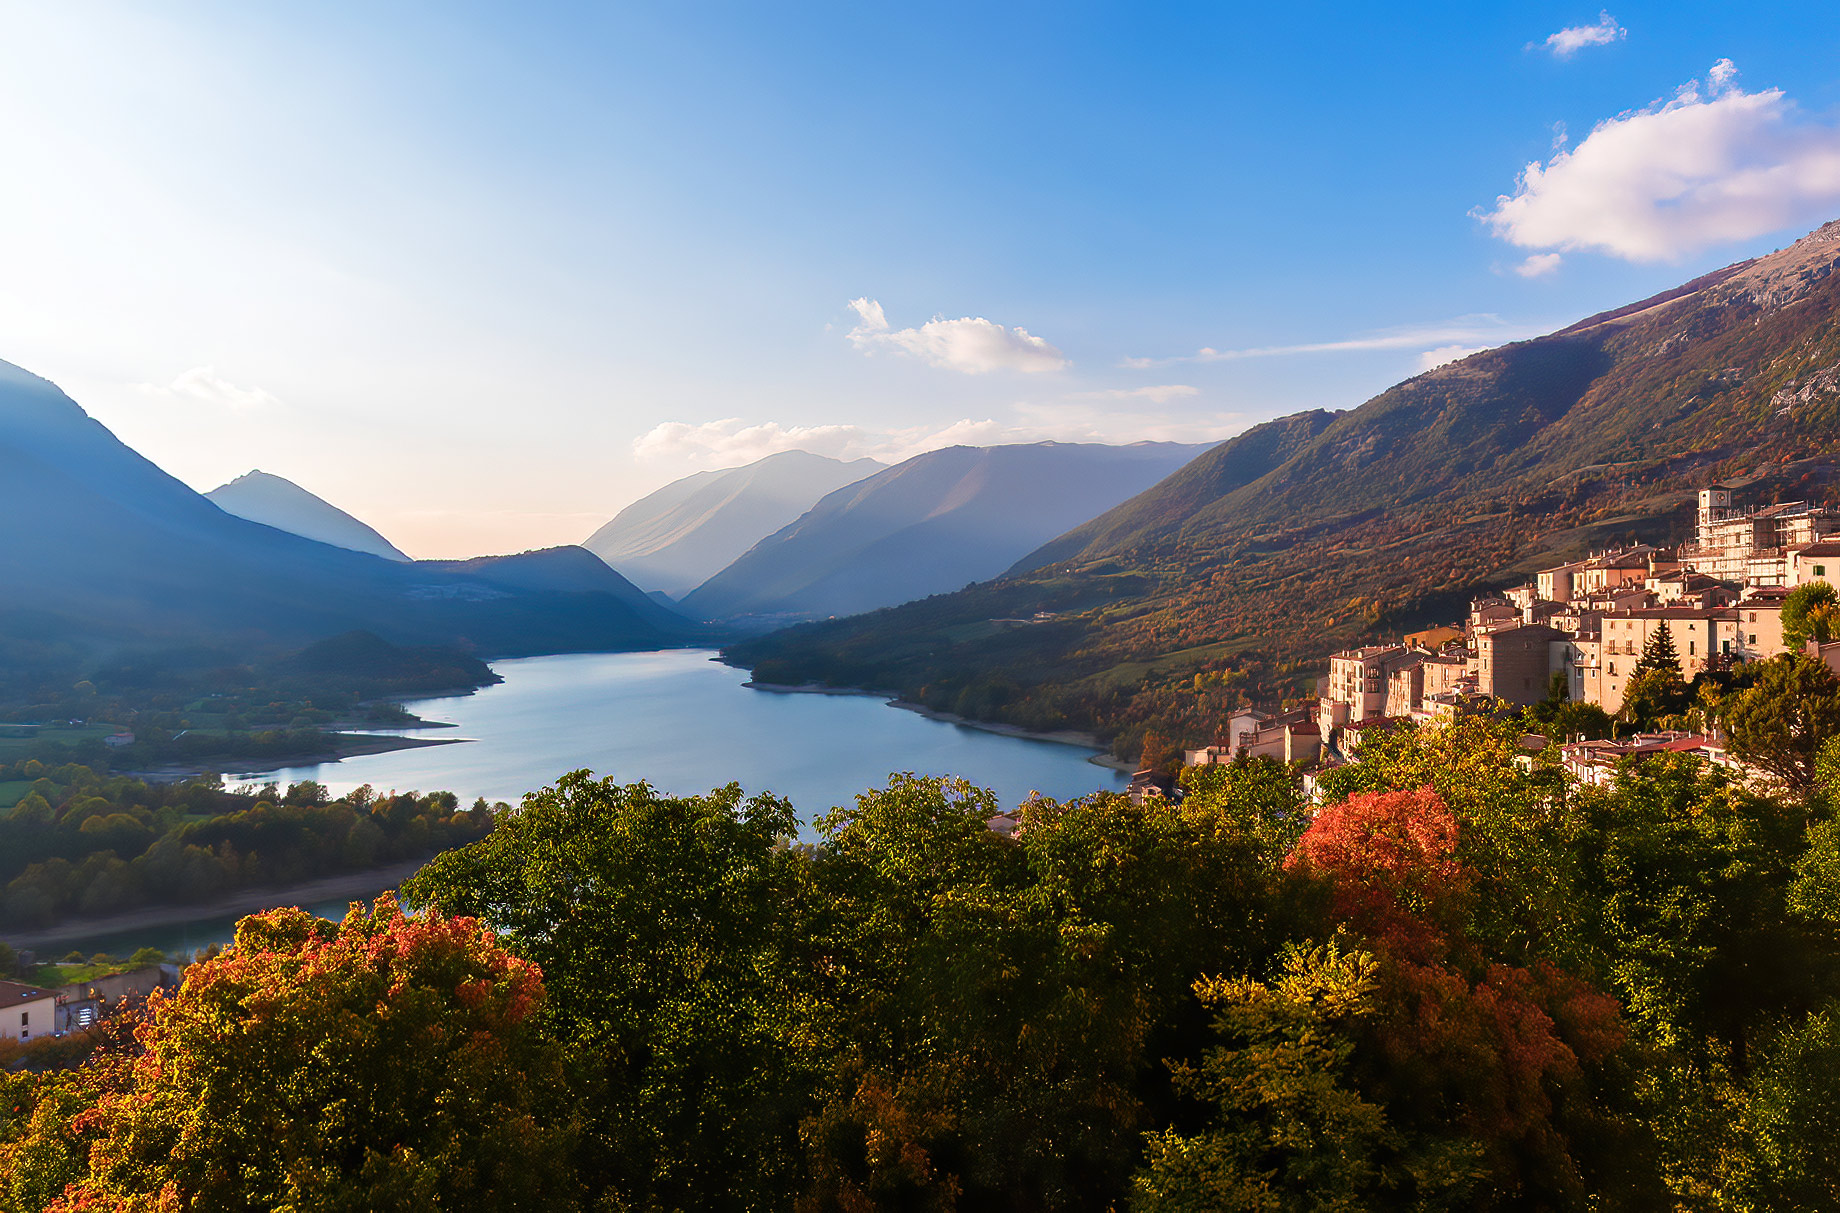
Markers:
{"x": 1072, "y": 737}
{"x": 813, "y": 688}
{"x": 355, "y": 885}
{"x": 347, "y": 745}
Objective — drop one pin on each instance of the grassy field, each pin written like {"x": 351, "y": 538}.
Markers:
{"x": 50, "y": 976}
{"x": 12, "y": 749}
{"x": 13, "y": 791}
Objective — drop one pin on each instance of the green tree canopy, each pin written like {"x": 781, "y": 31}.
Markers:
{"x": 1810, "y": 612}
{"x": 1785, "y": 716}
{"x": 669, "y": 929}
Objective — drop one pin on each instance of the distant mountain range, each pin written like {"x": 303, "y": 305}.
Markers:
{"x": 1318, "y": 530}
{"x": 278, "y": 502}
{"x": 102, "y": 550}
{"x": 929, "y": 525}
{"x": 680, "y": 536}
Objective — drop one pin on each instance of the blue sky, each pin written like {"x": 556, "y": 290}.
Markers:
{"x": 482, "y": 274}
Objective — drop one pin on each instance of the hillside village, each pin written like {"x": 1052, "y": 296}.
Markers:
{"x": 1717, "y": 600}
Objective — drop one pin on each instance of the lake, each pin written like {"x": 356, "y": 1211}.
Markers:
{"x": 684, "y": 723}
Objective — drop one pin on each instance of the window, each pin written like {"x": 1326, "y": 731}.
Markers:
{"x": 1689, "y": 648}
{"x": 1613, "y": 669}
{"x": 1753, "y": 638}
{"x": 1820, "y": 570}
{"x": 25, "y": 1018}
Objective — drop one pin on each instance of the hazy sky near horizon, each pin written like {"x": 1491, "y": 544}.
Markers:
{"x": 483, "y": 274}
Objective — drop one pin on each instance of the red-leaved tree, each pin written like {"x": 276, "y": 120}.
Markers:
{"x": 1496, "y": 1054}
{"x": 388, "y": 1062}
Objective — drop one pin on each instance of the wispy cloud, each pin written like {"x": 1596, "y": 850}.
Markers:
{"x": 732, "y": 441}
{"x": 1430, "y": 360}
{"x": 1539, "y": 265}
{"x": 1713, "y": 165}
{"x": 1476, "y": 332}
{"x": 1160, "y": 393}
{"x": 969, "y": 344}
{"x": 203, "y": 385}
{"x": 1569, "y": 41}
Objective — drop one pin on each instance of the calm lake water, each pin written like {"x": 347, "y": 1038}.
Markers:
{"x": 686, "y": 723}
{"x": 682, "y": 722}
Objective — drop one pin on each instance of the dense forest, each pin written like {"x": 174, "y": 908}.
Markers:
{"x": 79, "y": 841}
{"x": 1460, "y": 981}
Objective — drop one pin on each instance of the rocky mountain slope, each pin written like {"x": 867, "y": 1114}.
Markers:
{"x": 278, "y": 502}
{"x": 675, "y": 539}
{"x": 929, "y": 525}
{"x": 1243, "y": 571}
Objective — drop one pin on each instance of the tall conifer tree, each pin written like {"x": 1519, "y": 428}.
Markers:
{"x": 1658, "y": 654}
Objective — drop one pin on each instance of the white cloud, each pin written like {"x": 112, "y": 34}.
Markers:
{"x": 732, "y": 441}
{"x": 1160, "y": 393}
{"x": 1569, "y": 41}
{"x": 970, "y": 344}
{"x": 1705, "y": 168}
{"x": 1432, "y": 359}
{"x": 1539, "y": 265}
{"x": 1477, "y": 332}
{"x": 203, "y": 385}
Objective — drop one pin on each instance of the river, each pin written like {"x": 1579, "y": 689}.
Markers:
{"x": 682, "y": 722}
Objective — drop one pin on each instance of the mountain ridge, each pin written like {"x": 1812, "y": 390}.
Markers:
{"x": 930, "y": 524}
{"x": 677, "y": 537}
{"x": 119, "y": 554}
{"x": 278, "y": 502}
{"x": 1317, "y": 531}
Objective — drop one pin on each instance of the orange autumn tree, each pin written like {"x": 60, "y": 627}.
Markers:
{"x": 1501, "y": 1055}
{"x": 387, "y": 1062}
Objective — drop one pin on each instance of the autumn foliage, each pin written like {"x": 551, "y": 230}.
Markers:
{"x": 1458, "y": 981}
{"x": 387, "y": 1062}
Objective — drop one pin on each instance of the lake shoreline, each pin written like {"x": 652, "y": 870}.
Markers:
{"x": 358, "y": 886}
{"x": 346, "y": 745}
{"x": 1069, "y": 737}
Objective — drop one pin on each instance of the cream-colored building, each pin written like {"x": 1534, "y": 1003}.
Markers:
{"x": 1702, "y": 637}
{"x": 1813, "y": 562}
{"x": 26, "y": 1012}
{"x": 1753, "y": 545}
{"x": 1759, "y": 634}
{"x": 1357, "y": 683}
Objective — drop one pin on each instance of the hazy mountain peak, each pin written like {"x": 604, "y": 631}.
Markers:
{"x": 930, "y": 524}
{"x": 278, "y": 502}
{"x": 679, "y": 536}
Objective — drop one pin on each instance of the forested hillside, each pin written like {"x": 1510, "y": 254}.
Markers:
{"x": 1243, "y": 571}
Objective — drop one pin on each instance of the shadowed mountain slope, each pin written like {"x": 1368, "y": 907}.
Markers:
{"x": 931, "y": 524}
{"x": 675, "y": 539}
{"x": 101, "y": 549}
{"x": 278, "y": 502}
{"x": 1317, "y": 531}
